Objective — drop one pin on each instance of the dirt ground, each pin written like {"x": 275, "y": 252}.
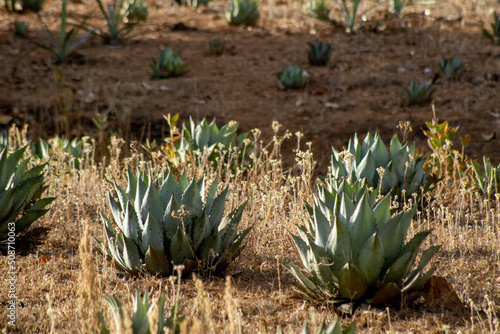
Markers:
{"x": 359, "y": 91}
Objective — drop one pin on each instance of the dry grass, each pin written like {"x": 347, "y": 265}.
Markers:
{"x": 62, "y": 282}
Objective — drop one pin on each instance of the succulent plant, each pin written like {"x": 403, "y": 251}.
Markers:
{"x": 486, "y": 178}
{"x": 319, "y": 53}
{"x": 292, "y": 77}
{"x": 403, "y": 171}
{"x": 20, "y": 192}
{"x": 417, "y": 94}
{"x": 140, "y": 317}
{"x": 216, "y": 46}
{"x": 353, "y": 249}
{"x": 162, "y": 223}
{"x": 243, "y": 12}
{"x": 20, "y": 29}
{"x": 137, "y": 11}
{"x": 206, "y": 139}
{"x": 452, "y": 67}
{"x": 495, "y": 30}
{"x": 169, "y": 64}
{"x": 45, "y": 149}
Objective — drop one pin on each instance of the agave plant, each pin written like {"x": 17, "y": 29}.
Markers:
{"x": 353, "y": 249}
{"x": 140, "y": 317}
{"x": 319, "y": 53}
{"x": 137, "y": 11}
{"x": 68, "y": 41}
{"x": 417, "y": 94}
{"x": 162, "y": 223}
{"x": 216, "y": 46}
{"x": 45, "y": 149}
{"x": 402, "y": 170}
{"x": 292, "y": 77}
{"x": 494, "y": 36}
{"x": 207, "y": 140}
{"x": 452, "y": 67}
{"x": 20, "y": 192}
{"x": 243, "y": 12}
{"x": 169, "y": 64}
{"x": 486, "y": 178}
{"x": 319, "y": 9}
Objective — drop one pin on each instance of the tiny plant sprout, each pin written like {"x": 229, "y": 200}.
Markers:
{"x": 216, "y": 46}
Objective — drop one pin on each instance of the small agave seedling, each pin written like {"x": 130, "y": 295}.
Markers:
{"x": 353, "y": 249}
{"x": 243, "y": 12}
{"x": 169, "y": 64}
{"x": 43, "y": 149}
{"x": 292, "y": 77}
{"x": 452, "y": 67}
{"x": 486, "y": 178}
{"x": 417, "y": 94}
{"x": 494, "y": 36}
{"x": 403, "y": 171}
{"x": 20, "y": 192}
{"x": 319, "y": 53}
{"x": 216, "y": 46}
{"x": 162, "y": 223}
{"x": 142, "y": 315}
{"x": 20, "y": 29}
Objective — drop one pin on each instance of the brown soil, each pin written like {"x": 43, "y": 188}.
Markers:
{"x": 359, "y": 91}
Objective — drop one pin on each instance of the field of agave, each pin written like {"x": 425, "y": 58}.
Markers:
{"x": 120, "y": 215}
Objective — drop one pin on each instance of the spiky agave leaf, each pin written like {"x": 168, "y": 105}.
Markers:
{"x": 20, "y": 192}
{"x": 364, "y": 257}
{"x": 163, "y": 222}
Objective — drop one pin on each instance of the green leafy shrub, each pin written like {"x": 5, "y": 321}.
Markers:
{"x": 168, "y": 65}
{"x": 162, "y": 223}
{"x": 20, "y": 29}
{"x": 402, "y": 170}
{"x": 292, "y": 77}
{"x": 452, "y": 67}
{"x": 141, "y": 318}
{"x": 353, "y": 249}
{"x": 494, "y": 36}
{"x": 216, "y": 46}
{"x": 417, "y": 94}
{"x": 243, "y": 12}
{"x": 20, "y": 192}
{"x": 68, "y": 42}
{"x": 486, "y": 179}
{"x": 319, "y": 53}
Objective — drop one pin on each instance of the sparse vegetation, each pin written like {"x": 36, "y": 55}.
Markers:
{"x": 20, "y": 29}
